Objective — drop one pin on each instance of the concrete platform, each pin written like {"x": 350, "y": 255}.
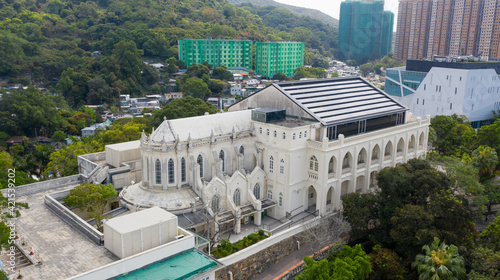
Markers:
{"x": 64, "y": 252}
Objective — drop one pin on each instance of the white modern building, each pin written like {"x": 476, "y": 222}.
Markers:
{"x": 306, "y": 145}
{"x": 435, "y": 88}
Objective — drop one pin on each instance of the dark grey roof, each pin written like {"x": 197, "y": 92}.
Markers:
{"x": 335, "y": 101}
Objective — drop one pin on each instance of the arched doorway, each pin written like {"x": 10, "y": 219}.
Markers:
{"x": 400, "y": 147}
{"x": 330, "y": 199}
{"x": 388, "y": 151}
{"x": 360, "y": 184}
{"x": 311, "y": 199}
{"x": 344, "y": 189}
{"x": 373, "y": 180}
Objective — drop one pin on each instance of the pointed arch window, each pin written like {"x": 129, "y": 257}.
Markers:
{"x": 158, "y": 172}
{"x": 313, "y": 163}
{"x": 242, "y": 150}
{"x": 256, "y": 191}
{"x": 237, "y": 197}
{"x": 222, "y": 157}
{"x": 171, "y": 171}
{"x": 214, "y": 204}
{"x": 183, "y": 170}
{"x": 200, "y": 162}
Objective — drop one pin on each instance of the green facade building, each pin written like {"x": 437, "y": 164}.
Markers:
{"x": 365, "y": 29}
{"x": 231, "y": 53}
{"x": 276, "y": 57}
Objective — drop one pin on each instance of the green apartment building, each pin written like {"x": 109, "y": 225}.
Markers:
{"x": 275, "y": 57}
{"x": 231, "y": 53}
{"x": 365, "y": 29}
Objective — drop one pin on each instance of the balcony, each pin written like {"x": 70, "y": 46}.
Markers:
{"x": 313, "y": 176}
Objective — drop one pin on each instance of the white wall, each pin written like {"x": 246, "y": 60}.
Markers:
{"x": 140, "y": 260}
{"x": 473, "y": 93}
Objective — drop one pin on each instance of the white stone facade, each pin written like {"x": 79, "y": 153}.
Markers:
{"x": 236, "y": 166}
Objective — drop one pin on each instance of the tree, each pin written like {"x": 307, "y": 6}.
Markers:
{"x": 64, "y": 161}
{"x": 326, "y": 232}
{"x": 485, "y": 159}
{"x": 454, "y": 135}
{"x": 23, "y": 112}
{"x": 279, "y": 76}
{"x": 5, "y": 161}
{"x": 490, "y": 237}
{"x": 350, "y": 263}
{"x": 411, "y": 229}
{"x": 386, "y": 265}
{"x": 439, "y": 261}
{"x": 360, "y": 212}
{"x": 366, "y": 69}
{"x": 59, "y": 136}
{"x": 182, "y": 108}
{"x": 197, "y": 70}
{"x": 91, "y": 198}
{"x": 128, "y": 59}
{"x": 485, "y": 264}
{"x": 221, "y": 73}
{"x": 216, "y": 86}
{"x": 196, "y": 87}
{"x": 150, "y": 75}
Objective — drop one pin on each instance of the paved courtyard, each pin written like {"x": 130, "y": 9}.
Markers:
{"x": 64, "y": 251}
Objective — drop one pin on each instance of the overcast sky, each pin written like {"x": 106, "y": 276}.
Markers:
{"x": 332, "y": 7}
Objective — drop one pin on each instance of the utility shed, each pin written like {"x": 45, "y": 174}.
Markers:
{"x": 140, "y": 231}
{"x": 116, "y": 154}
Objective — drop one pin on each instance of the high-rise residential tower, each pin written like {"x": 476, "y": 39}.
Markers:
{"x": 278, "y": 57}
{"x": 231, "y": 53}
{"x": 448, "y": 27}
{"x": 365, "y": 29}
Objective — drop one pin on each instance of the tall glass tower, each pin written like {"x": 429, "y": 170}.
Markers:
{"x": 365, "y": 29}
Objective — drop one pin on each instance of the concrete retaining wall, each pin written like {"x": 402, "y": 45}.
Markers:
{"x": 46, "y": 185}
{"x": 253, "y": 260}
{"x": 71, "y": 218}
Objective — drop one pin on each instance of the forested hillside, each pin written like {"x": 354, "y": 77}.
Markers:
{"x": 316, "y": 14}
{"x": 49, "y": 43}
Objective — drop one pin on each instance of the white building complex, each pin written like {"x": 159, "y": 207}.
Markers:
{"x": 434, "y": 88}
{"x": 289, "y": 148}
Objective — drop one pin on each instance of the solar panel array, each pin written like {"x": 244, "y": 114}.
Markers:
{"x": 334, "y": 101}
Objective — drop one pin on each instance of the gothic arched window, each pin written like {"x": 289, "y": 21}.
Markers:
{"x": 237, "y": 197}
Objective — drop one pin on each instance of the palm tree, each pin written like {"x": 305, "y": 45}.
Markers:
{"x": 440, "y": 262}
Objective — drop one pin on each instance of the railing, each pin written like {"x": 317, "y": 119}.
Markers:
{"x": 313, "y": 176}
{"x": 331, "y": 175}
{"x": 46, "y": 185}
{"x": 346, "y": 170}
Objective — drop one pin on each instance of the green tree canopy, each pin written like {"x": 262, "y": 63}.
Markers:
{"x": 349, "y": 264}
{"x": 91, "y": 198}
{"x": 196, "y": 87}
{"x": 485, "y": 159}
{"x": 279, "y": 76}
{"x": 221, "y": 73}
{"x": 439, "y": 261}
{"x": 26, "y": 110}
{"x": 182, "y": 108}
